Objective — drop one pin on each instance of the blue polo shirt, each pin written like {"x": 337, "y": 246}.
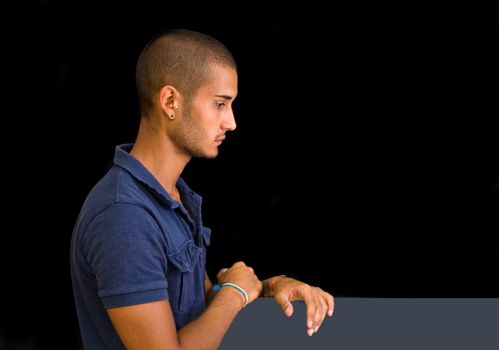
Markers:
{"x": 133, "y": 244}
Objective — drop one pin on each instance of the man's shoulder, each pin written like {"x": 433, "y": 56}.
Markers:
{"x": 118, "y": 185}
{"x": 115, "y": 193}
{"x": 117, "y": 221}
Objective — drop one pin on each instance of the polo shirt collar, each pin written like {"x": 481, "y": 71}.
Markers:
{"x": 125, "y": 160}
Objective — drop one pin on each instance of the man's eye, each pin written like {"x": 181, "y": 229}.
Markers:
{"x": 221, "y": 105}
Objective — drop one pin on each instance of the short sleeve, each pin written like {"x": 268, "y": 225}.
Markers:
{"x": 126, "y": 251}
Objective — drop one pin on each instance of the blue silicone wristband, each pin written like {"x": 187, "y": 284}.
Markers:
{"x": 217, "y": 287}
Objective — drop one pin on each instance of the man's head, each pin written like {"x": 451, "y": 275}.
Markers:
{"x": 180, "y": 58}
{"x": 186, "y": 83}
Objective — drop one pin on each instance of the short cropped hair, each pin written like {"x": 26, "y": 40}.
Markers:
{"x": 180, "y": 58}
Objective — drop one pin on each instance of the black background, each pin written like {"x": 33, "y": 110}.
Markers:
{"x": 365, "y": 159}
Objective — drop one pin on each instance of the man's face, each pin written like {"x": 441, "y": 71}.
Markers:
{"x": 205, "y": 120}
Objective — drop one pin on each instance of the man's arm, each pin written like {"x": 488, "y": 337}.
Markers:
{"x": 152, "y": 326}
{"x": 208, "y": 290}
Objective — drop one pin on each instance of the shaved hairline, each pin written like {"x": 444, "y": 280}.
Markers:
{"x": 180, "y": 58}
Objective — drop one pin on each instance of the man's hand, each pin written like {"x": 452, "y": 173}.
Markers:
{"x": 318, "y": 302}
{"x": 243, "y": 276}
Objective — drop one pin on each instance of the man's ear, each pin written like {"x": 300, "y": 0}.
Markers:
{"x": 168, "y": 99}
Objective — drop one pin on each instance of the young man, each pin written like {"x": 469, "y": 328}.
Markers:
{"x": 138, "y": 250}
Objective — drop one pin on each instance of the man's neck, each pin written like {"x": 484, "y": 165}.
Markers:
{"x": 157, "y": 153}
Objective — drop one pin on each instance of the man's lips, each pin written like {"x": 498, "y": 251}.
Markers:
{"x": 219, "y": 139}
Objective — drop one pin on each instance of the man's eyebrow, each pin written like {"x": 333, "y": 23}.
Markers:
{"x": 225, "y": 97}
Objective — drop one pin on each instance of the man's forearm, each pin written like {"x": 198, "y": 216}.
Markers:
{"x": 207, "y": 331}
{"x": 209, "y": 296}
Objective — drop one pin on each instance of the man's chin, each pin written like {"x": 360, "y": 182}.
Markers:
{"x": 211, "y": 155}
{"x": 205, "y": 154}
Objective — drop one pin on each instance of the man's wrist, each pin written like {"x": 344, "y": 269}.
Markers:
{"x": 269, "y": 286}
{"x": 236, "y": 298}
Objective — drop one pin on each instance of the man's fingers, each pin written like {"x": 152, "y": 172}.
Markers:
{"x": 330, "y": 304}
{"x": 311, "y": 309}
{"x": 221, "y": 272}
{"x": 238, "y": 264}
{"x": 318, "y": 305}
{"x": 283, "y": 301}
{"x": 323, "y": 311}
{"x": 319, "y": 314}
